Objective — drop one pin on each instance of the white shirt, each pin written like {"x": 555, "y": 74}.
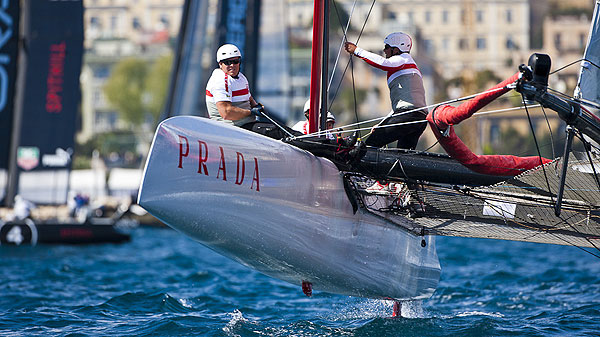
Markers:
{"x": 301, "y": 126}
{"x": 224, "y": 88}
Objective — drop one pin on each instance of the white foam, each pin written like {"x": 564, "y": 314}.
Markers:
{"x": 236, "y": 318}
{"x": 479, "y": 313}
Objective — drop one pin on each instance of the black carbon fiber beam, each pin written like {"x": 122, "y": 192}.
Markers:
{"x": 563, "y": 176}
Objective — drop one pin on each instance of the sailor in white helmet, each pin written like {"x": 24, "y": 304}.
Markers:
{"x": 228, "y": 96}
{"x": 302, "y": 126}
{"x": 406, "y": 91}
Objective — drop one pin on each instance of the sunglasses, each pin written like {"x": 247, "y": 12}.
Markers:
{"x": 387, "y": 46}
{"x": 230, "y": 62}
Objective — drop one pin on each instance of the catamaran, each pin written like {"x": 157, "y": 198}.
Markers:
{"x": 300, "y": 212}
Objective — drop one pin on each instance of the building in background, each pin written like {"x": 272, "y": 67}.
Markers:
{"x": 142, "y": 22}
{"x": 453, "y": 41}
{"x": 116, "y": 30}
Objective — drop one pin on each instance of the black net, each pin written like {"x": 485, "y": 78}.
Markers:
{"x": 520, "y": 209}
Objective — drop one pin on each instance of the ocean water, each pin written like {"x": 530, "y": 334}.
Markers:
{"x": 164, "y": 284}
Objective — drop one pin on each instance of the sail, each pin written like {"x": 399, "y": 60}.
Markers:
{"x": 189, "y": 77}
{"x": 238, "y": 24}
{"x": 9, "y": 23}
{"x": 47, "y": 100}
{"x": 589, "y": 75}
{"x": 273, "y": 85}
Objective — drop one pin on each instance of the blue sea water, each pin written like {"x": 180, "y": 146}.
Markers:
{"x": 164, "y": 284}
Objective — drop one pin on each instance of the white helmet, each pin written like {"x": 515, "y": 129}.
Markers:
{"x": 228, "y": 51}
{"x": 330, "y": 117}
{"x": 306, "y": 106}
{"x": 399, "y": 40}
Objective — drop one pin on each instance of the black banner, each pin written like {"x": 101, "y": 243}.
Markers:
{"x": 54, "y": 48}
{"x": 9, "y": 34}
{"x": 239, "y": 25}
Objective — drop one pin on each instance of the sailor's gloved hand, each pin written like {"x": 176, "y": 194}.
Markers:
{"x": 257, "y": 110}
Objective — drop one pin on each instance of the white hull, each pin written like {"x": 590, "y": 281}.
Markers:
{"x": 279, "y": 210}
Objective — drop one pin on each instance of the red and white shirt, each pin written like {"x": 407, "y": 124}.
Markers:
{"x": 403, "y": 77}
{"x": 301, "y": 126}
{"x": 222, "y": 87}
{"x": 395, "y": 66}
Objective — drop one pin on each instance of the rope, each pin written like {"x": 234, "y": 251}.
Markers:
{"x": 549, "y": 130}
{"x": 537, "y": 148}
{"x": 344, "y": 31}
{"x": 456, "y": 100}
{"x": 572, "y": 63}
{"x": 348, "y": 64}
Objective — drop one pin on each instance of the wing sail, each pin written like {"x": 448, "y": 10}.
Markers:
{"x": 589, "y": 75}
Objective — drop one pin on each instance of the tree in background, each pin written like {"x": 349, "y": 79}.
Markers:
{"x": 157, "y": 83}
{"x": 137, "y": 89}
{"x": 124, "y": 89}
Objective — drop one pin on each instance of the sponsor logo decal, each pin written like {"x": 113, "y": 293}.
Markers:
{"x": 218, "y": 155}
{"x": 60, "y": 158}
{"x": 28, "y": 158}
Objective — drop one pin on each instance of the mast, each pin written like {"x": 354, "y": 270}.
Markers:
{"x": 316, "y": 64}
{"x": 325, "y": 62}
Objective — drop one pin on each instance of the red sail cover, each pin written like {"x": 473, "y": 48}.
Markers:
{"x": 445, "y": 116}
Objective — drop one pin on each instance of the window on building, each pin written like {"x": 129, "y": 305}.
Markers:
{"x": 113, "y": 118}
{"x": 495, "y": 133}
{"x": 510, "y": 44}
{"x": 410, "y": 16}
{"x": 463, "y": 16}
{"x": 135, "y": 23}
{"x": 97, "y": 98}
{"x": 113, "y": 22}
{"x": 445, "y": 44}
{"x": 101, "y": 72}
{"x": 463, "y": 44}
{"x": 509, "y": 15}
{"x": 94, "y": 21}
{"x": 445, "y": 16}
{"x": 165, "y": 20}
{"x": 557, "y": 41}
{"x": 427, "y": 16}
{"x": 582, "y": 40}
{"x": 479, "y": 15}
{"x": 480, "y": 42}
{"x": 391, "y": 16}
{"x": 428, "y": 45}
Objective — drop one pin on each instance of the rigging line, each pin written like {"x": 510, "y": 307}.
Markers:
{"x": 571, "y": 99}
{"x": 589, "y": 156}
{"x": 451, "y": 101}
{"x": 319, "y": 133}
{"x": 572, "y": 63}
{"x": 345, "y": 38}
{"x": 434, "y": 144}
{"x": 537, "y": 146}
{"x": 551, "y": 135}
{"x": 477, "y": 114}
{"x": 563, "y": 95}
{"x": 576, "y": 230}
{"x": 354, "y": 93}
{"x": 348, "y": 64}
